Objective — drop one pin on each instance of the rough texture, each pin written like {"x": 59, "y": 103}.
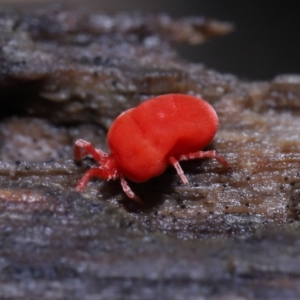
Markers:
{"x": 230, "y": 234}
{"x": 91, "y": 67}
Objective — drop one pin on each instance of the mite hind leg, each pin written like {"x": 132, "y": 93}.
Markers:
{"x": 202, "y": 154}
{"x": 175, "y": 163}
{"x": 127, "y": 190}
{"x": 199, "y": 154}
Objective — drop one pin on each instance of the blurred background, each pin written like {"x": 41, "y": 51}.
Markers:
{"x": 266, "y": 41}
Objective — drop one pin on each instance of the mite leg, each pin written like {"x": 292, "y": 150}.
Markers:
{"x": 83, "y": 148}
{"x": 93, "y": 172}
{"x": 202, "y": 154}
{"x": 127, "y": 190}
{"x": 175, "y": 163}
{"x": 199, "y": 154}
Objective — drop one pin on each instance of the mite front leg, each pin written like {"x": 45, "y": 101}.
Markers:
{"x": 93, "y": 172}
{"x": 83, "y": 148}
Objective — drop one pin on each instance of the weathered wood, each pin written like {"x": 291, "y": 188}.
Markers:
{"x": 66, "y": 74}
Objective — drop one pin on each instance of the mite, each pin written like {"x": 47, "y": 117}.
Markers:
{"x": 144, "y": 140}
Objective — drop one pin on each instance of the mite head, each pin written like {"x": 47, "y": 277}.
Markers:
{"x": 110, "y": 165}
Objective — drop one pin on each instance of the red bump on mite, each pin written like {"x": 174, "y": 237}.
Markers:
{"x": 144, "y": 140}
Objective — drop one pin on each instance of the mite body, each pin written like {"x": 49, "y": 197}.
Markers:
{"x": 144, "y": 140}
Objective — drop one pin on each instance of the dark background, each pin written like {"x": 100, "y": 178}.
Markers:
{"x": 265, "y": 43}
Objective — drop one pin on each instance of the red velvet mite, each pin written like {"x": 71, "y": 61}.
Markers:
{"x": 144, "y": 140}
